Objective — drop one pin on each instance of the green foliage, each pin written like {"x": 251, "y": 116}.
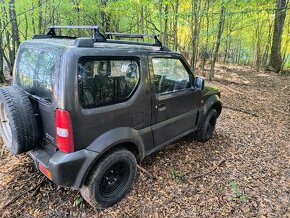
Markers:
{"x": 178, "y": 176}
{"x": 237, "y": 193}
{"x": 78, "y": 201}
{"x": 246, "y": 38}
{"x": 235, "y": 188}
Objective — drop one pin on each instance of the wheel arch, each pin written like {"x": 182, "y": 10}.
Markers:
{"x": 212, "y": 102}
{"x": 123, "y": 137}
{"x": 217, "y": 106}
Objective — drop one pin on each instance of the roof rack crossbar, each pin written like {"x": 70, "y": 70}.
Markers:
{"x": 97, "y": 36}
{"x": 109, "y": 35}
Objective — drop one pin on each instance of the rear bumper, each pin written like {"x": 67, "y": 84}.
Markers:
{"x": 67, "y": 169}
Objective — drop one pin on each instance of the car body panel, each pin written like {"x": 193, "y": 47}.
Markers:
{"x": 139, "y": 121}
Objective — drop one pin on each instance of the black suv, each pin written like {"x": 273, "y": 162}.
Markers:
{"x": 87, "y": 109}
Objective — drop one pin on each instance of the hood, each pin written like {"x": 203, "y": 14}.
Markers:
{"x": 211, "y": 90}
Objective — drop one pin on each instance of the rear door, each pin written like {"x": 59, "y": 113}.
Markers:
{"x": 175, "y": 102}
{"x": 35, "y": 71}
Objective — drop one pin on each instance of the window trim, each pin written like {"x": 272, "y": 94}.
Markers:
{"x": 111, "y": 58}
{"x": 186, "y": 67}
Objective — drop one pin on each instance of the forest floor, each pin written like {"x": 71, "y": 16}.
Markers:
{"x": 244, "y": 171}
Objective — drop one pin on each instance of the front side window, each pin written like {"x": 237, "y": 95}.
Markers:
{"x": 170, "y": 75}
{"x": 106, "y": 81}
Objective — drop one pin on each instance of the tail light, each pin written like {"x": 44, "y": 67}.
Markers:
{"x": 64, "y": 137}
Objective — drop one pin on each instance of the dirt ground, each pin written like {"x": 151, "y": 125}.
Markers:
{"x": 244, "y": 171}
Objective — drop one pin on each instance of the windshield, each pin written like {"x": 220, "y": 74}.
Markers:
{"x": 35, "y": 70}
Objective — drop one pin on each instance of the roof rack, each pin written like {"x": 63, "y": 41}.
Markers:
{"x": 99, "y": 37}
{"x": 109, "y": 35}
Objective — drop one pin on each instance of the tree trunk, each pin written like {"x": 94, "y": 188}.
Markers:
{"x": 14, "y": 31}
{"x": 2, "y": 78}
{"x": 6, "y": 33}
{"x": 218, "y": 41}
{"x": 175, "y": 25}
{"x": 32, "y": 20}
{"x": 267, "y": 47}
{"x": 258, "y": 45}
{"x": 40, "y": 17}
{"x": 275, "y": 62}
{"x": 194, "y": 32}
{"x": 165, "y": 40}
{"x": 142, "y": 19}
{"x": 207, "y": 37}
{"x": 160, "y": 16}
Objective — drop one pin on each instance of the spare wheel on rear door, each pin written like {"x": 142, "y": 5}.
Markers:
{"x": 18, "y": 124}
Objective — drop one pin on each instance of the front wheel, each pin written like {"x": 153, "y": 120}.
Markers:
{"x": 206, "y": 131}
{"x": 110, "y": 179}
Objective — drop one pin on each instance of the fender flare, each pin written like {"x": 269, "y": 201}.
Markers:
{"x": 107, "y": 141}
{"x": 115, "y": 137}
{"x": 212, "y": 102}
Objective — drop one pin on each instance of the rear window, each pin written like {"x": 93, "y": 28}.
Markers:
{"x": 106, "y": 81}
{"x": 35, "y": 70}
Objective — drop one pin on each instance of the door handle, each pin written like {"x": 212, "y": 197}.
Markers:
{"x": 161, "y": 107}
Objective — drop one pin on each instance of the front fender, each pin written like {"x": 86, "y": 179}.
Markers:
{"x": 212, "y": 101}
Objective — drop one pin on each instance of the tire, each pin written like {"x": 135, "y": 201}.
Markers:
{"x": 206, "y": 131}
{"x": 18, "y": 125}
{"x": 110, "y": 179}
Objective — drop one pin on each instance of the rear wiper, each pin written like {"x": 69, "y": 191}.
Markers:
{"x": 45, "y": 100}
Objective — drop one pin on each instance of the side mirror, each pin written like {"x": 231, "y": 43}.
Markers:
{"x": 199, "y": 83}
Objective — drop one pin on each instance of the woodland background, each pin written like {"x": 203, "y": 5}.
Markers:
{"x": 243, "y": 32}
{"x": 243, "y": 171}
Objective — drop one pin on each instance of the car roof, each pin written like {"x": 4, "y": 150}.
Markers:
{"x": 110, "y": 45}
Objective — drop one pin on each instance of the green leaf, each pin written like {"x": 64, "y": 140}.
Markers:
{"x": 78, "y": 201}
{"x": 244, "y": 198}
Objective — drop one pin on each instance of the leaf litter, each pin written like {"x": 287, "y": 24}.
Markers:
{"x": 252, "y": 181}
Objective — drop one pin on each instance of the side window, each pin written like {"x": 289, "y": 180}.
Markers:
{"x": 169, "y": 75}
{"x": 106, "y": 81}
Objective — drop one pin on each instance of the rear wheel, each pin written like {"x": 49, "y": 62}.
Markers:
{"x": 110, "y": 179}
{"x": 206, "y": 131}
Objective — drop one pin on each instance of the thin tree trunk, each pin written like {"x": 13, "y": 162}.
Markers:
{"x": 199, "y": 22}
{"x": 40, "y": 17}
{"x": 8, "y": 57}
{"x": 207, "y": 37}
{"x": 166, "y": 25}
{"x": 218, "y": 41}
{"x": 2, "y": 78}
{"x": 160, "y": 16}
{"x": 227, "y": 41}
{"x": 267, "y": 47}
{"x": 258, "y": 45}
{"x": 146, "y": 20}
{"x": 14, "y": 31}
{"x": 32, "y": 20}
{"x": 175, "y": 43}
{"x": 194, "y": 32}
{"x": 142, "y": 18}
{"x": 26, "y": 26}
{"x": 275, "y": 62}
